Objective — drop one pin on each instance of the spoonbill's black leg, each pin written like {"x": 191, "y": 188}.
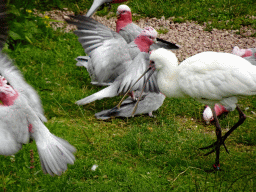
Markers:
{"x": 221, "y": 139}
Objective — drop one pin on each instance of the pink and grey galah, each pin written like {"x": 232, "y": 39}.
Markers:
{"x": 208, "y": 115}
{"x": 21, "y": 119}
{"x": 129, "y": 30}
{"x": 248, "y": 54}
{"x": 109, "y": 54}
{"x": 124, "y": 81}
{"x": 97, "y": 3}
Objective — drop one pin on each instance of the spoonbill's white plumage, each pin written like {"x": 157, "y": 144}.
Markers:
{"x": 149, "y": 102}
{"x": 208, "y": 77}
{"x": 109, "y": 52}
{"x": 129, "y": 30}
{"x": 20, "y": 120}
{"x": 97, "y": 3}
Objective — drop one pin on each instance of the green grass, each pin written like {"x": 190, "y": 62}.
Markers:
{"x": 221, "y": 14}
{"x": 134, "y": 154}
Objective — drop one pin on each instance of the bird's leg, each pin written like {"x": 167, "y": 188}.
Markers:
{"x": 219, "y": 138}
{"x": 242, "y": 118}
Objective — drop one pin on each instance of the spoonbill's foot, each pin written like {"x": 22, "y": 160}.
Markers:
{"x": 214, "y": 146}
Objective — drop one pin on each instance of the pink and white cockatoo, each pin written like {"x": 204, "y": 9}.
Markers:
{"x": 97, "y": 3}
{"x": 129, "y": 30}
{"x": 21, "y": 119}
{"x": 108, "y": 52}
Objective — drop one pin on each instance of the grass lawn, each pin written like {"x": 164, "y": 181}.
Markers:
{"x": 134, "y": 154}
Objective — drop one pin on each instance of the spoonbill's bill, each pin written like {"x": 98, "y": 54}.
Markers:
{"x": 208, "y": 77}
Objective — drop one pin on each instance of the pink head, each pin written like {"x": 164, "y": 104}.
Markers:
{"x": 7, "y": 93}
{"x": 124, "y": 17}
{"x": 146, "y": 38}
{"x": 242, "y": 52}
{"x": 124, "y": 12}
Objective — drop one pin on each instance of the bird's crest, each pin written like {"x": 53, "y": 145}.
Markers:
{"x": 122, "y": 8}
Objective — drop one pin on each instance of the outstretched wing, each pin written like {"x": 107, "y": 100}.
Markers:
{"x": 107, "y": 49}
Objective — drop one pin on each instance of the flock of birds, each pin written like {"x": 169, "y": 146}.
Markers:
{"x": 130, "y": 61}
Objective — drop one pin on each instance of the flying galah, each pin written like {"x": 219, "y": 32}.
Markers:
{"x": 20, "y": 121}
{"x": 109, "y": 52}
{"x": 129, "y": 30}
{"x": 97, "y": 3}
{"x": 149, "y": 102}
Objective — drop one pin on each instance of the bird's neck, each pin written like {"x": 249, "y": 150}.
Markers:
{"x": 167, "y": 82}
{"x": 143, "y": 43}
{"x": 8, "y": 97}
{"x": 123, "y": 20}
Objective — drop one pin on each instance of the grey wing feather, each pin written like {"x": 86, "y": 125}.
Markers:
{"x": 133, "y": 72}
{"x": 17, "y": 81}
{"x": 148, "y": 103}
{"x": 97, "y": 40}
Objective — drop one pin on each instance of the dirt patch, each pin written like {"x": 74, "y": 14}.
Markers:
{"x": 190, "y": 36}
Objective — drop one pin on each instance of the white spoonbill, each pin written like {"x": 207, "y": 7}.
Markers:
{"x": 97, "y": 3}
{"x": 208, "y": 77}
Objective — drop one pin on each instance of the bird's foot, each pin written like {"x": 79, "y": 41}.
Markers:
{"x": 214, "y": 146}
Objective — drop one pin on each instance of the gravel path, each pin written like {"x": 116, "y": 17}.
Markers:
{"x": 190, "y": 36}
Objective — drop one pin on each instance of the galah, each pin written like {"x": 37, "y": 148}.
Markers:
{"x": 208, "y": 116}
{"x": 20, "y": 121}
{"x": 97, "y": 3}
{"x": 109, "y": 52}
{"x": 124, "y": 82}
{"x": 149, "y": 102}
{"x": 129, "y": 30}
{"x": 248, "y": 54}
{"x": 17, "y": 81}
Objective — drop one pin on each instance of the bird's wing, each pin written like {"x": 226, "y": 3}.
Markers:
{"x": 216, "y": 76}
{"x": 107, "y": 49}
{"x": 55, "y": 153}
{"x": 133, "y": 72}
{"x": 13, "y": 127}
{"x": 16, "y": 80}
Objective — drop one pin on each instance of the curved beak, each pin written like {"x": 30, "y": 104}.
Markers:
{"x": 151, "y": 68}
